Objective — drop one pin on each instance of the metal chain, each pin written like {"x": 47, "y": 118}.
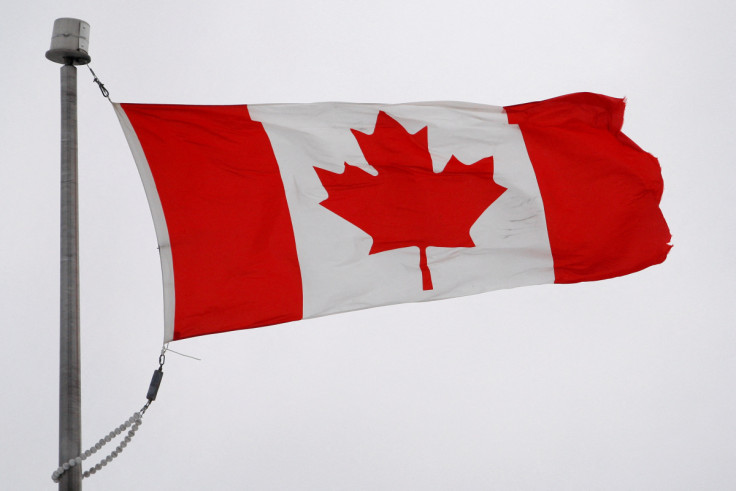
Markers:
{"x": 134, "y": 422}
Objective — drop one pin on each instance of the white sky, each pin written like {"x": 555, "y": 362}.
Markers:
{"x": 621, "y": 384}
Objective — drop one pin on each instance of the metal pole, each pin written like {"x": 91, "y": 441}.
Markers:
{"x": 70, "y": 394}
{"x": 68, "y": 46}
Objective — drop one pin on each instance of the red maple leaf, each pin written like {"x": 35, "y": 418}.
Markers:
{"x": 407, "y": 203}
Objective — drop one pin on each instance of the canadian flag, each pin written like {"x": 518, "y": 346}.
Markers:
{"x": 277, "y": 212}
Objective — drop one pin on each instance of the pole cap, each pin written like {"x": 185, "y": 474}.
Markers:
{"x": 69, "y": 42}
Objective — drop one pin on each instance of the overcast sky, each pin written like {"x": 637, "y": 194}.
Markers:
{"x": 620, "y": 384}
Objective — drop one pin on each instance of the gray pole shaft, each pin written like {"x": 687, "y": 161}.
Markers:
{"x": 70, "y": 394}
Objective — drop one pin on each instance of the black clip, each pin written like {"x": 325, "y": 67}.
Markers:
{"x": 158, "y": 375}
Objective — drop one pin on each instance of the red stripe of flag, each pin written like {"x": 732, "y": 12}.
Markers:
{"x": 600, "y": 191}
{"x": 232, "y": 241}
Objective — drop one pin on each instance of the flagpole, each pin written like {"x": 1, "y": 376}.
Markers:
{"x": 69, "y": 48}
